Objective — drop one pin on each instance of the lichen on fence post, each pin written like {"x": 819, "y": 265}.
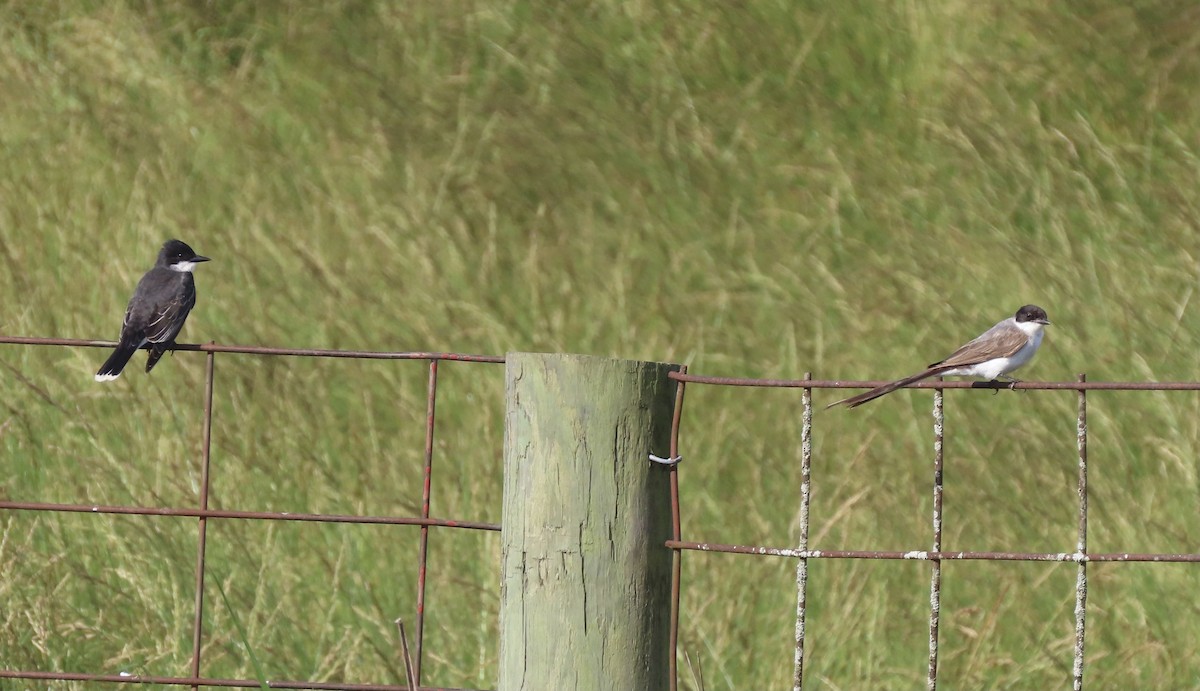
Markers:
{"x": 585, "y": 581}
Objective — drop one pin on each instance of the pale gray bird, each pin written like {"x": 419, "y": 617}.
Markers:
{"x": 999, "y": 350}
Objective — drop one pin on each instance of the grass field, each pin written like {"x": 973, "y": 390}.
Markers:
{"x": 754, "y": 189}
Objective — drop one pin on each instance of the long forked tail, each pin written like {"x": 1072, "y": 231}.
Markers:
{"x": 855, "y": 401}
{"x": 111, "y": 369}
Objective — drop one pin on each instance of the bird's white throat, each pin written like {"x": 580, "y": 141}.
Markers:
{"x": 1031, "y": 329}
{"x": 183, "y": 267}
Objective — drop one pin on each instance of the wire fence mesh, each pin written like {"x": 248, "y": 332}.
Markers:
{"x": 203, "y": 514}
{"x": 801, "y": 551}
{"x": 934, "y": 554}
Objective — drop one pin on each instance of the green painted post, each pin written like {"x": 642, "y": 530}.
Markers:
{"x": 586, "y": 580}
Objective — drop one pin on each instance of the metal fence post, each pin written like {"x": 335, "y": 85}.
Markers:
{"x": 585, "y": 576}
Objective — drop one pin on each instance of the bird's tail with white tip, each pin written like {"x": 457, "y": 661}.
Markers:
{"x": 111, "y": 369}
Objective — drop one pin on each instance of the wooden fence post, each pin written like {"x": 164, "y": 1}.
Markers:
{"x": 586, "y": 579}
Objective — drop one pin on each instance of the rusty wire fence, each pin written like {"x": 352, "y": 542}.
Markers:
{"x": 934, "y": 554}
{"x": 203, "y": 513}
{"x": 801, "y": 551}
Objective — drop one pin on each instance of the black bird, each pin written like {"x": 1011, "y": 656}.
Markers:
{"x": 157, "y": 310}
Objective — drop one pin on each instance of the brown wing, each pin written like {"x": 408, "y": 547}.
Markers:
{"x": 1002, "y": 340}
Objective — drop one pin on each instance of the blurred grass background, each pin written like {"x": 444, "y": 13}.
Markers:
{"x": 755, "y": 189}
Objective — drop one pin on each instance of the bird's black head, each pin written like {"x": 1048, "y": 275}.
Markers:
{"x": 1032, "y": 313}
{"x": 176, "y": 255}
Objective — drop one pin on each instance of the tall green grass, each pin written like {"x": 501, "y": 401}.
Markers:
{"x": 756, "y": 189}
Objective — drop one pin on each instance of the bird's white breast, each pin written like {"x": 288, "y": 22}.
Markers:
{"x": 991, "y": 369}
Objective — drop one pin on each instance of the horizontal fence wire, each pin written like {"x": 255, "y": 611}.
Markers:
{"x": 1020, "y": 385}
{"x": 209, "y": 681}
{"x": 803, "y": 553}
{"x": 202, "y": 513}
{"x": 249, "y": 515}
{"x": 929, "y": 555}
{"x": 936, "y": 555}
{"x": 264, "y": 350}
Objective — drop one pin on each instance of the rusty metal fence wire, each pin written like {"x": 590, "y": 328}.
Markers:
{"x": 801, "y": 552}
{"x": 934, "y": 555}
{"x": 203, "y": 513}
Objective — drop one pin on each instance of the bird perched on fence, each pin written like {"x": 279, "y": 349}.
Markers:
{"x": 1001, "y": 349}
{"x": 159, "y": 306}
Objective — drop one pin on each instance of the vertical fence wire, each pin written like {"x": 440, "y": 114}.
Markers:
{"x": 422, "y": 550}
{"x": 935, "y": 580}
{"x": 802, "y": 563}
{"x": 1081, "y": 545}
{"x": 202, "y": 537}
{"x": 676, "y": 535}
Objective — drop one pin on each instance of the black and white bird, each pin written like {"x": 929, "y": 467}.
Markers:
{"x": 993, "y": 354}
{"x": 157, "y": 310}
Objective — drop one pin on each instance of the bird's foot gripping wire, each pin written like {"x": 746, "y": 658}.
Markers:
{"x": 1012, "y": 382}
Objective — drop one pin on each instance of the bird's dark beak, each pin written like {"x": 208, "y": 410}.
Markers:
{"x": 198, "y": 258}
{"x": 1045, "y": 322}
